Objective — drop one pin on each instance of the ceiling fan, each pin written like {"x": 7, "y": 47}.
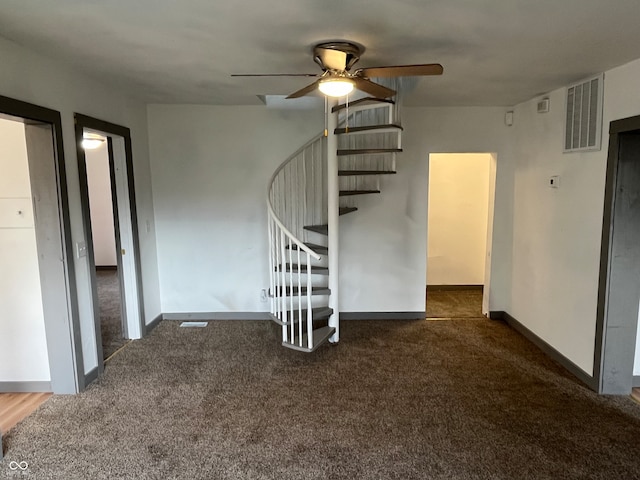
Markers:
{"x": 337, "y": 79}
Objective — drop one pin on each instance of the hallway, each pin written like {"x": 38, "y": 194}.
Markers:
{"x": 454, "y": 303}
{"x": 110, "y": 311}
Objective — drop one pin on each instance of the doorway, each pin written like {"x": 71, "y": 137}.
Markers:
{"x": 459, "y": 224}
{"x": 39, "y": 314}
{"x": 109, "y": 215}
{"x": 617, "y": 353}
{"x": 101, "y": 191}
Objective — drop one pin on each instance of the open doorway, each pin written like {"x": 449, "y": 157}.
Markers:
{"x": 617, "y": 349}
{"x": 101, "y": 190}
{"x": 109, "y": 214}
{"x": 459, "y": 224}
{"x": 40, "y": 348}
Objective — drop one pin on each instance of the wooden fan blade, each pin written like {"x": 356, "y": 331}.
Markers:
{"x": 371, "y": 88}
{"x": 304, "y": 91}
{"x": 402, "y": 70}
{"x": 275, "y": 75}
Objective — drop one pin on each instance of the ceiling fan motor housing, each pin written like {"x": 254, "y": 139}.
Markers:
{"x": 339, "y": 56}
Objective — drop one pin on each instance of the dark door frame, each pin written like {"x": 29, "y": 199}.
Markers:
{"x": 606, "y": 358}
{"x": 82, "y": 122}
{"x": 64, "y": 342}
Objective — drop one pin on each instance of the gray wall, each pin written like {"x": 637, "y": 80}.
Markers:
{"x": 36, "y": 79}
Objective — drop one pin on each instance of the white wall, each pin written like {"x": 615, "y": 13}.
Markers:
{"x": 457, "y": 218}
{"x": 33, "y": 78}
{"x": 23, "y": 346}
{"x": 556, "y": 239}
{"x": 383, "y": 254}
{"x": 210, "y": 168}
{"x": 101, "y": 206}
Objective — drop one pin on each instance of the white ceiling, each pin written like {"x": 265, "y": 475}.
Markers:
{"x": 494, "y": 52}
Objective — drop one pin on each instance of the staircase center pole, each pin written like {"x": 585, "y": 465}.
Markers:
{"x": 333, "y": 200}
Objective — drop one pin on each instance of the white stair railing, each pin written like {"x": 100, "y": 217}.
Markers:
{"x": 304, "y": 192}
{"x": 297, "y": 196}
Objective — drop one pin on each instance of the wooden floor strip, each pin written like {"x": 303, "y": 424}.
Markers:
{"x": 14, "y": 407}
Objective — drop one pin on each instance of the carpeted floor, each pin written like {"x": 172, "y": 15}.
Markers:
{"x": 454, "y": 303}
{"x": 459, "y": 399}
{"x": 110, "y": 311}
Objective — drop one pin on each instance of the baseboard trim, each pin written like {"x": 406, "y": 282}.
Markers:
{"x": 497, "y": 314}
{"x": 636, "y": 381}
{"x": 383, "y": 315}
{"x": 435, "y": 288}
{"x": 575, "y": 370}
{"x": 153, "y": 324}
{"x": 25, "y": 387}
{"x": 206, "y": 316}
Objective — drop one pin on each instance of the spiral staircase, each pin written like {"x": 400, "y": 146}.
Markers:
{"x": 307, "y": 194}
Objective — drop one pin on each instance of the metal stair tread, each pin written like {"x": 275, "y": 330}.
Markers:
{"x": 320, "y": 335}
{"x": 293, "y": 267}
{"x": 367, "y": 151}
{"x": 347, "y": 173}
{"x": 321, "y": 229}
{"x": 389, "y": 127}
{"x": 345, "y": 193}
{"x": 316, "y": 248}
{"x": 317, "y": 313}
{"x": 303, "y": 291}
{"x": 362, "y": 101}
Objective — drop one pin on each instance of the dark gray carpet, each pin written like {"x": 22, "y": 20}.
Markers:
{"x": 461, "y": 399}
{"x": 110, "y": 311}
{"x": 454, "y": 303}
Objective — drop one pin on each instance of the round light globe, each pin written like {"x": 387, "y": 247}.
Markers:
{"x": 336, "y": 87}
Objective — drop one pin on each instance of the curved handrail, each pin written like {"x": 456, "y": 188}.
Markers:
{"x": 299, "y": 243}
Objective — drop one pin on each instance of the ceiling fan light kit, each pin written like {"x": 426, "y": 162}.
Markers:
{"x": 336, "y": 86}
{"x": 337, "y": 79}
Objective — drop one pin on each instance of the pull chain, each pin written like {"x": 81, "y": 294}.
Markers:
{"x": 346, "y": 121}
{"x": 326, "y": 118}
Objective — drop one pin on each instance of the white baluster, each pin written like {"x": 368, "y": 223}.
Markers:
{"x": 309, "y": 305}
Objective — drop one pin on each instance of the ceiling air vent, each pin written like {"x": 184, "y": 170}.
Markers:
{"x": 583, "y": 126}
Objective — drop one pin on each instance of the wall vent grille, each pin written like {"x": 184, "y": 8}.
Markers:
{"x": 583, "y": 126}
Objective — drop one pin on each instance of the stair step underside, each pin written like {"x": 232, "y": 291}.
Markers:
{"x": 321, "y": 229}
{"x": 303, "y": 291}
{"x": 348, "y": 173}
{"x": 293, "y": 267}
{"x": 368, "y": 151}
{"x": 345, "y": 210}
{"x": 346, "y": 193}
{"x": 390, "y": 127}
{"x": 316, "y": 248}
{"x": 320, "y": 336}
{"x": 362, "y": 102}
